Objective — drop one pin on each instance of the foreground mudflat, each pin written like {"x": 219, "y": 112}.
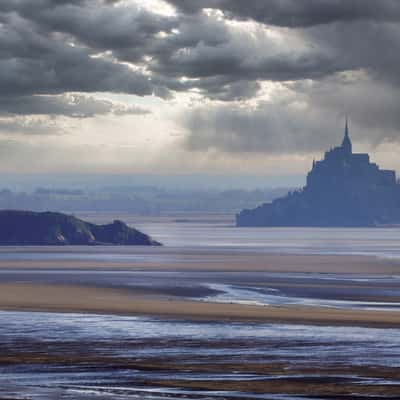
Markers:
{"x": 78, "y": 356}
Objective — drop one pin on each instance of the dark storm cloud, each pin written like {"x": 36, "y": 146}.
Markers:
{"x": 339, "y": 35}
{"x": 101, "y": 26}
{"x": 49, "y": 48}
{"x": 220, "y": 58}
{"x": 371, "y": 46}
{"x": 298, "y": 13}
{"x": 203, "y": 62}
{"x": 36, "y": 59}
{"x": 33, "y": 63}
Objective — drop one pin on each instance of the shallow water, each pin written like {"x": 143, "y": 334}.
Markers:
{"x": 382, "y": 242}
{"x": 216, "y": 237}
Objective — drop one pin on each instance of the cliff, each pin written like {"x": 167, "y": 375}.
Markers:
{"x": 51, "y": 228}
{"x": 343, "y": 189}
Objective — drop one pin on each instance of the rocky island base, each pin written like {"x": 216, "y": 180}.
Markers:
{"x": 20, "y": 228}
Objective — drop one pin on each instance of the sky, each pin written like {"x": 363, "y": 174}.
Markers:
{"x": 212, "y": 87}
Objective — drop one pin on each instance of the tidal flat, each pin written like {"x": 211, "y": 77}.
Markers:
{"x": 76, "y": 356}
{"x": 266, "y": 314}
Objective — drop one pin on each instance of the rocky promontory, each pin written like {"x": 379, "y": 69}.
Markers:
{"x": 53, "y": 228}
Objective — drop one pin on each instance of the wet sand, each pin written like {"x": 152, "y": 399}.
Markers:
{"x": 235, "y": 367}
{"x": 347, "y": 382}
{"x": 181, "y": 260}
{"x": 22, "y": 294}
{"x": 36, "y": 297}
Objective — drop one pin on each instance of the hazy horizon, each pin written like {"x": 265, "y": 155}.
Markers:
{"x": 31, "y": 182}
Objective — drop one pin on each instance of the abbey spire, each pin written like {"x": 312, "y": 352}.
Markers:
{"x": 346, "y": 144}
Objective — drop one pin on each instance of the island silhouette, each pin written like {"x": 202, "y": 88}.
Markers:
{"x": 344, "y": 189}
{"x": 54, "y": 228}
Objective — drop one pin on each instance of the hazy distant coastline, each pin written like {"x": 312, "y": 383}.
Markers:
{"x": 139, "y": 200}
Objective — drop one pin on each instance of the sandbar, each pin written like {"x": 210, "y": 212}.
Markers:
{"x": 203, "y": 261}
{"x": 59, "y": 298}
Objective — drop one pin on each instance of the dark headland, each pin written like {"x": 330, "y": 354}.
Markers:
{"x": 343, "y": 189}
{"x": 52, "y": 228}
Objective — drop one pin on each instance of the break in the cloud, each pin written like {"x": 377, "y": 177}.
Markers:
{"x": 299, "y": 118}
{"x": 29, "y": 126}
{"x": 232, "y": 77}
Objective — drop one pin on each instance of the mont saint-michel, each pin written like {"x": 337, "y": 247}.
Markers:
{"x": 343, "y": 189}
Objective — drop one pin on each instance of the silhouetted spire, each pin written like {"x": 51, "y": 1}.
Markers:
{"x": 346, "y": 144}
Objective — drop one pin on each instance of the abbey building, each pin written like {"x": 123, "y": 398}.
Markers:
{"x": 342, "y": 167}
{"x": 343, "y": 189}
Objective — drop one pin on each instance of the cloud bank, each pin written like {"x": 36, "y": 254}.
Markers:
{"x": 270, "y": 77}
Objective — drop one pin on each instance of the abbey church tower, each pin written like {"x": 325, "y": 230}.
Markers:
{"x": 346, "y": 144}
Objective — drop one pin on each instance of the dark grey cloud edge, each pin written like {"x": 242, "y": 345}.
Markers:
{"x": 67, "y": 105}
{"x": 298, "y": 13}
{"x": 36, "y": 115}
